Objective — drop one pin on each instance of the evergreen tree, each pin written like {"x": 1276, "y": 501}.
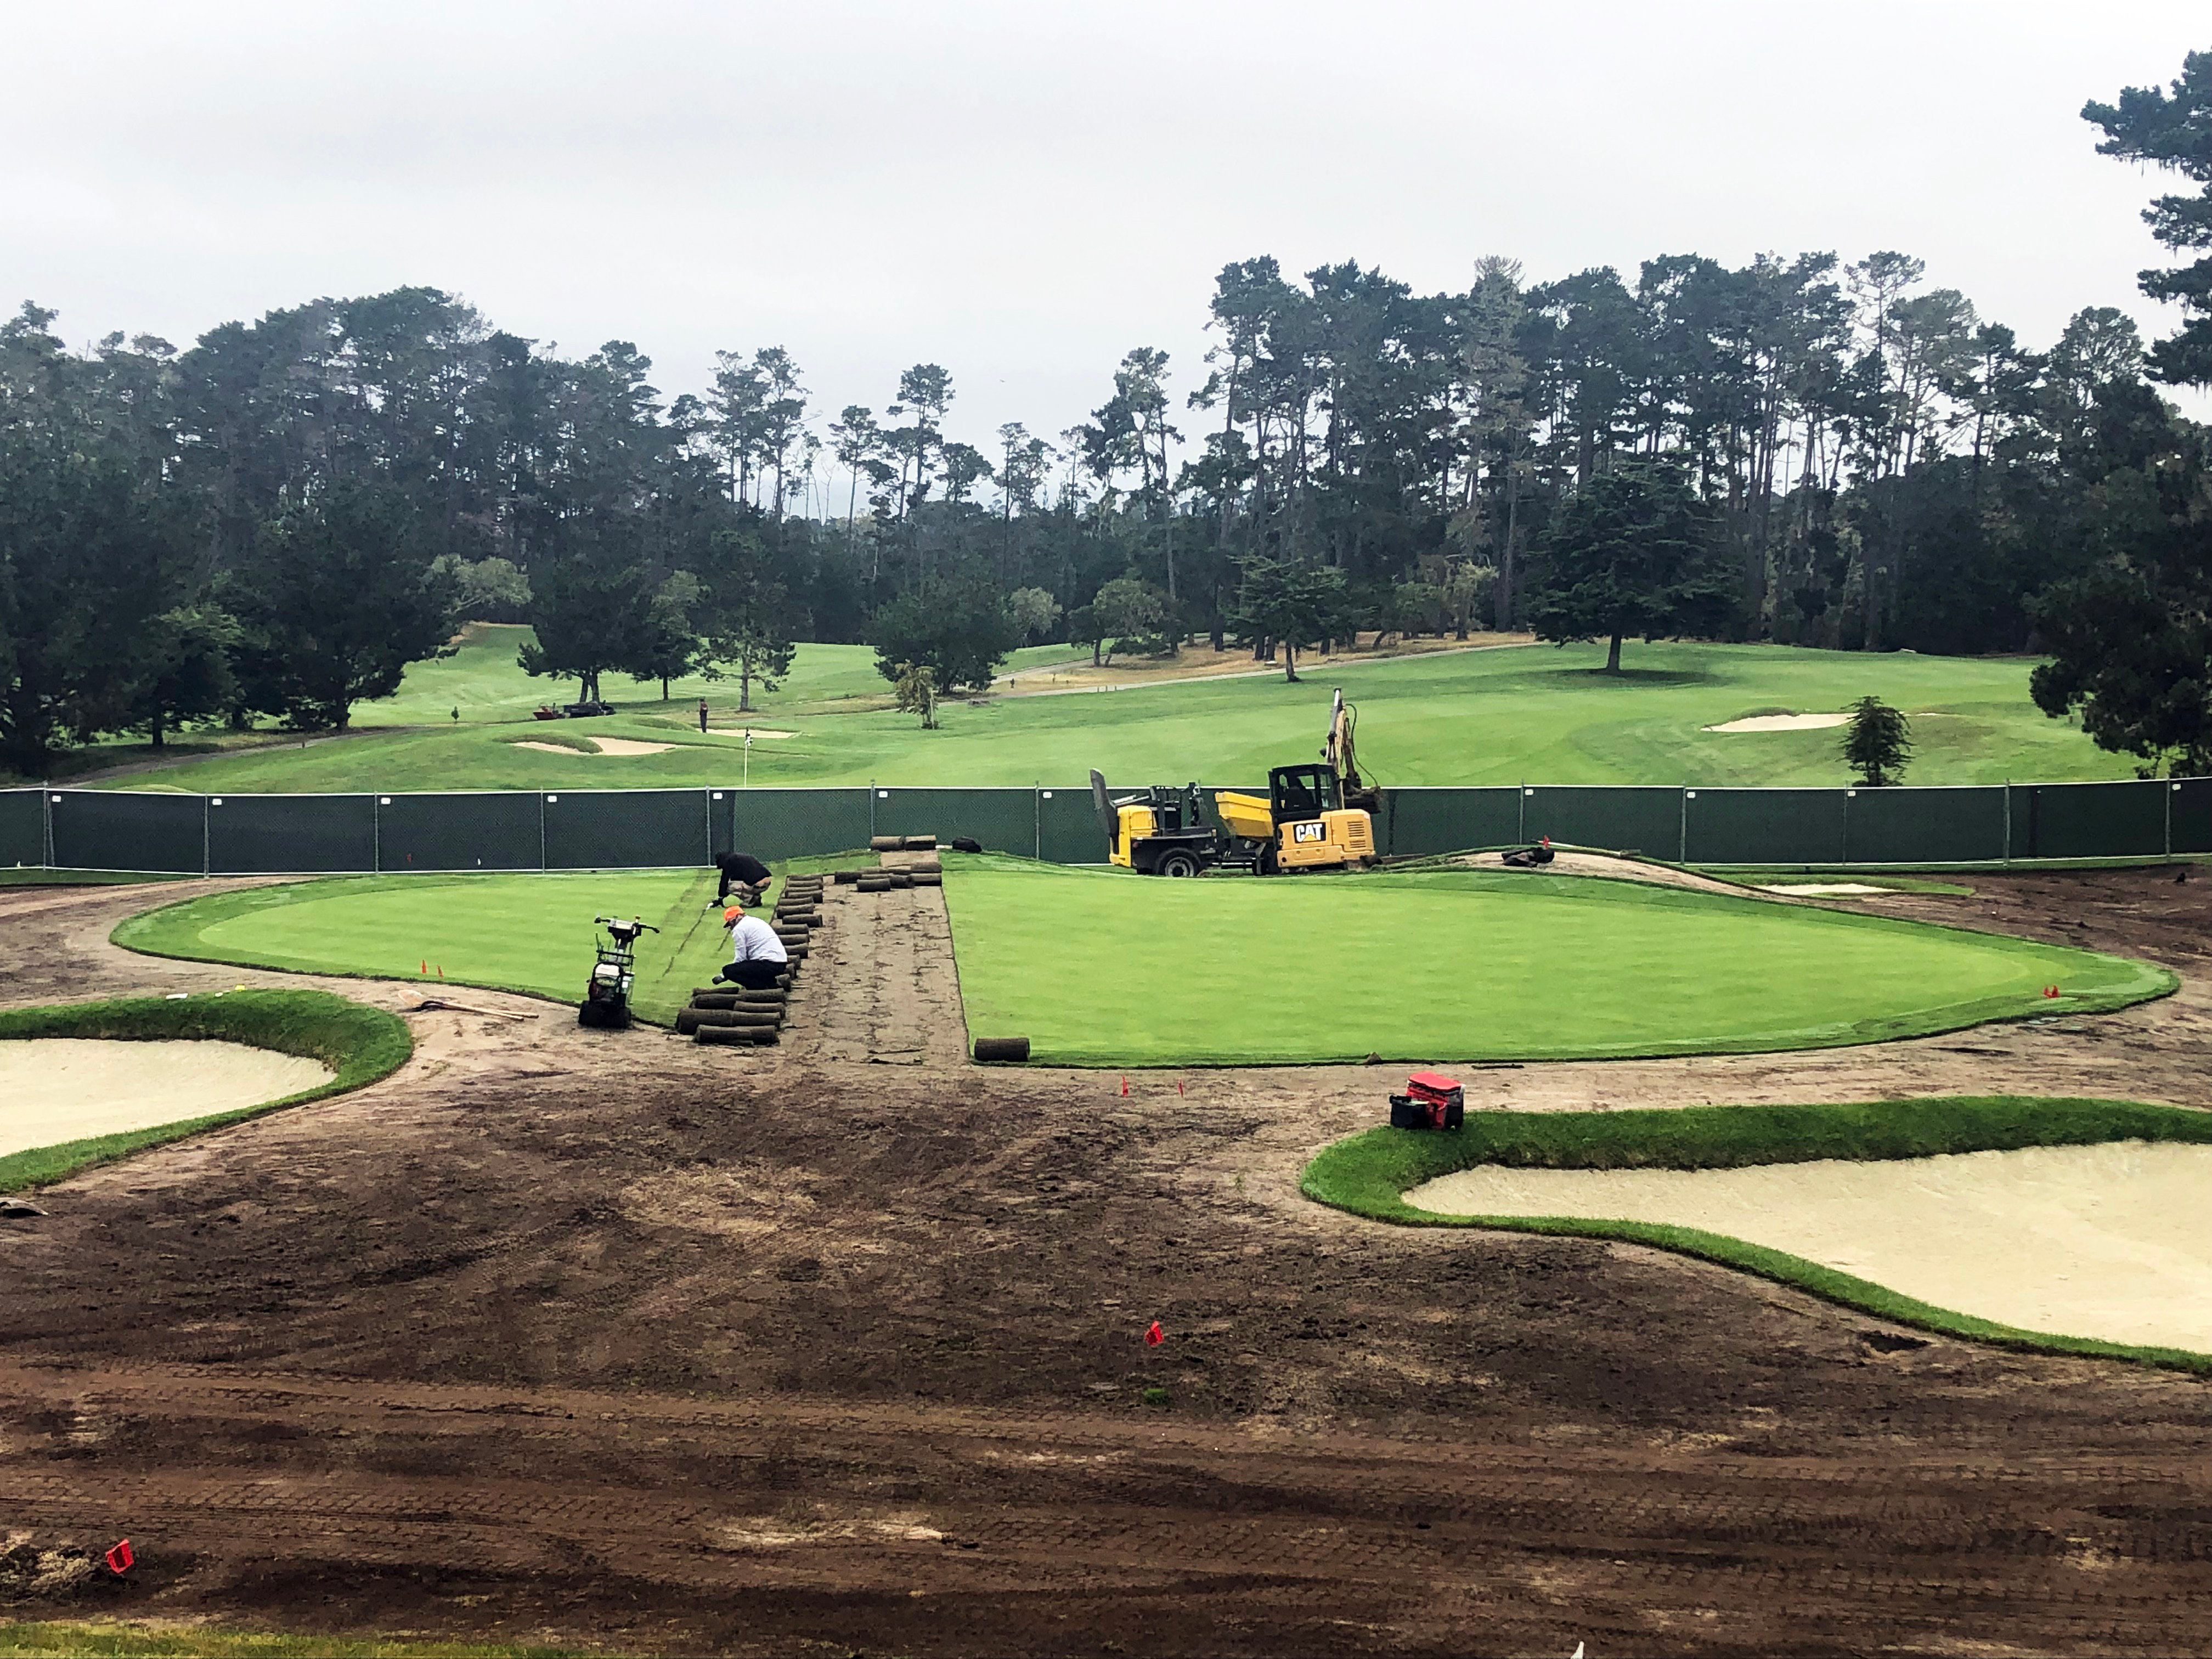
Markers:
{"x": 1634, "y": 552}
{"x": 1877, "y": 743}
{"x": 2173, "y": 131}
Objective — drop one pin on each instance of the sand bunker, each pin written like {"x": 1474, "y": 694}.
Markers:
{"x": 1783, "y": 723}
{"x": 57, "y": 1089}
{"x": 602, "y": 745}
{"x": 1823, "y": 889}
{"x": 2113, "y": 1241}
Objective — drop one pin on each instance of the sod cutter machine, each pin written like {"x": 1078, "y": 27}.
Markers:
{"x": 606, "y": 995}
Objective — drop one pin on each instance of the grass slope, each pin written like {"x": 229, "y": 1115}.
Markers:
{"x": 1104, "y": 969}
{"x": 1534, "y": 713}
{"x": 359, "y": 1044}
{"x": 528, "y": 933}
{"x": 1369, "y": 1175}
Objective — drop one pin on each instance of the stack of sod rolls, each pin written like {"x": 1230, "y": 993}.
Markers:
{"x": 728, "y": 1015}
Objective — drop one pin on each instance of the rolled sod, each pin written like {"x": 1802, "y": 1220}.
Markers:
{"x": 844, "y": 877}
{"x": 1002, "y": 1049}
{"x": 886, "y": 843}
{"x": 735, "y": 1036}
{"x": 691, "y": 1019}
{"x": 918, "y": 843}
{"x": 714, "y": 998}
{"x": 874, "y": 885}
{"x": 926, "y": 878}
{"x": 1467, "y": 965}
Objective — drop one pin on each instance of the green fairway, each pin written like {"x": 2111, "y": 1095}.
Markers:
{"x": 1106, "y": 968}
{"x": 1536, "y": 713}
{"x": 522, "y": 932}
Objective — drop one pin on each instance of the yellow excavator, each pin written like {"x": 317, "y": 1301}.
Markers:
{"x": 1312, "y": 817}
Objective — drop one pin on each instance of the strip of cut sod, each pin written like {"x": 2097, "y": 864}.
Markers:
{"x": 527, "y": 932}
{"x": 359, "y": 1044}
{"x": 1103, "y": 968}
{"x": 1369, "y": 1174}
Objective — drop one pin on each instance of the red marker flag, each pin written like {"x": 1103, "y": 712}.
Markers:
{"x": 120, "y": 1559}
{"x": 1125, "y": 1085}
{"x": 1155, "y": 1336}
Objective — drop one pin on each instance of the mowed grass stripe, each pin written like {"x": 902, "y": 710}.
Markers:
{"x": 1100, "y": 968}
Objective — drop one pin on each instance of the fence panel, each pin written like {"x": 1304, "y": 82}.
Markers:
{"x": 1416, "y": 821}
{"x": 789, "y": 823}
{"x": 113, "y": 829}
{"x": 721, "y": 821}
{"x": 1004, "y": 820}
{"x": 1961, "y": 825}
{"x": 2088, "y": 820}
{"x": 625, "y": 828}
{"x": 1067, "y": 827}
{"x": 485, "y": 830}
{"x": 22, "y": 827}
{"x": 1763, "y": 826}
{"x": 1618, "y": 818}
{"x": 2189, "y": 800}
{"x": 287, "y": 835}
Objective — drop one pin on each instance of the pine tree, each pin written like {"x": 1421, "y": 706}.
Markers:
{"x": 1878, "y": 744}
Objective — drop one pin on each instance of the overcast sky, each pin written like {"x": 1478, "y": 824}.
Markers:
{"x": 1022, "y": 192}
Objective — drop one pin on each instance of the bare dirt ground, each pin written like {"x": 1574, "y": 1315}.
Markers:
{"x": 608, "y": 1338}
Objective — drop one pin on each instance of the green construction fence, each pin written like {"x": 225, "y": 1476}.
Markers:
{"x": 174, "y": 833}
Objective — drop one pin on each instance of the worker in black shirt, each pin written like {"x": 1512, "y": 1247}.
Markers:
{"x": 741, "y": 870}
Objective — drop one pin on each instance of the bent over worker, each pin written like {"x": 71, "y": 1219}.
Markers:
{"x": 756, "y": 955}
{"x": 741, "y": 870}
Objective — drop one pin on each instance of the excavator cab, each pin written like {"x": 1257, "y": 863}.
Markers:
{"x": 1303, "y": 824}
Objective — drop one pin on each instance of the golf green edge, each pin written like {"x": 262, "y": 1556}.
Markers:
{"x": 1369, "y": 1173}
{"x": 1005, "y": 985}
{"x": 359, "y": 1044}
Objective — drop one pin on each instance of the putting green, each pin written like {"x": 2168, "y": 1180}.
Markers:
{"x": 521, "y": 932}
{"x": 1099, "y": 969}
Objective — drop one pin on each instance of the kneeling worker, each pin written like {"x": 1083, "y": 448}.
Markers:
{"x": 744, "y": 871}
{"x": 756, "y": 955}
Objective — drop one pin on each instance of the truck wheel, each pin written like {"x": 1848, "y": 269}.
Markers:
{"x": 1266, "y": 862}
{"x": 1178, "y": 864}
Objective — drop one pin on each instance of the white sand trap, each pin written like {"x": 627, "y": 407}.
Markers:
{"x": 630, "y": 746}
{"x": 603, "y": 746}
{"x": 1783, "y": 723}
{"x": 57, "y": 1089}
{"x": 1823, "y": 889}
{"x": 2113, "y": 1241}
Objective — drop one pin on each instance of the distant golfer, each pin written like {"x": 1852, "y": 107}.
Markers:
{"x": 743, "y": 872}
{"x": 703, "y": 713}
{"x": 756, "y": 955}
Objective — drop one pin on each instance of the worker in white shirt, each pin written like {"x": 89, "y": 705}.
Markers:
{"x": 756, "y": 955}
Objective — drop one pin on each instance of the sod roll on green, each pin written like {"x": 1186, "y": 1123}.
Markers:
{"x": 1462, "y": 965}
